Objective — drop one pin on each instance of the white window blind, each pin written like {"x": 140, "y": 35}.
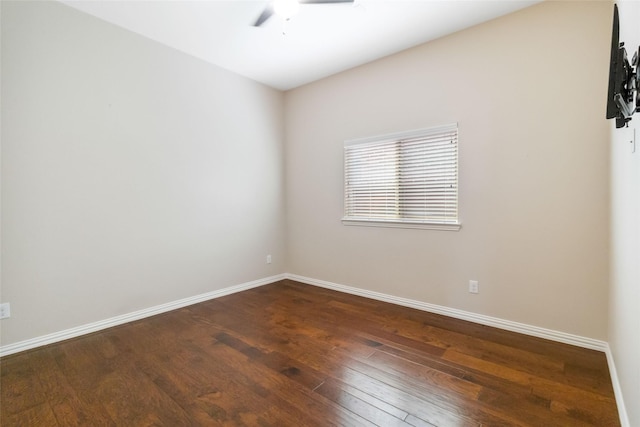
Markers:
{"x": 409, "y": 178}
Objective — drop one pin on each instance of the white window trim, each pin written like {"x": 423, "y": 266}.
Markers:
{"x": 398, "y": 223}
{"x": 453, "y": 226}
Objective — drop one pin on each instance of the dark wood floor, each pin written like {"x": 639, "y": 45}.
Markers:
{"x": 289, "y": 354}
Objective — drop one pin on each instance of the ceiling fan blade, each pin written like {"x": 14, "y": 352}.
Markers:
{"x": 324, "y": 1}
{"x": 266, "y": 14}
{"x": 268, "y": 10}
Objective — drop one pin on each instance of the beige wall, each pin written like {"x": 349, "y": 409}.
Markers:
{"x": 132, "y": 174}
{"x": 624, "y": 315}
{"x": 528, "y": 91}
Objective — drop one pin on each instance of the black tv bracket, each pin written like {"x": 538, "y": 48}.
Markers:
{"x": 626, "y": 102}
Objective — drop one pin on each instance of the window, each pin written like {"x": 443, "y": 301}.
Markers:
{"x": 403, "y": 180}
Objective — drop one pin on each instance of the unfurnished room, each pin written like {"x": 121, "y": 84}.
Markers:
{"x": 320, "y": 213}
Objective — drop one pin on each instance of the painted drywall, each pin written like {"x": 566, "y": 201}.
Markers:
{"x": 624, "y": 317}
{"x": 528, "y": 92}
{"x": 132, "y": 174}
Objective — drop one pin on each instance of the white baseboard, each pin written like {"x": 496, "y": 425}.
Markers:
{"x": 617, "y": 389}
{"x": 130, "y": 317}
{"x": 508, "y": 325}
{"x": 432, "y": 308}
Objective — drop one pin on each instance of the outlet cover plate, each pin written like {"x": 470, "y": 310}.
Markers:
{"x": 5, "y": 310}
{"x": 473, "y": 286}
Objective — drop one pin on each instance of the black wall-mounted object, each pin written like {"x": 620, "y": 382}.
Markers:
{"x": 624, "y": 79}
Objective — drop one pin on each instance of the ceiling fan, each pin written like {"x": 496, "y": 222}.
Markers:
{"x": 288, "y": 8}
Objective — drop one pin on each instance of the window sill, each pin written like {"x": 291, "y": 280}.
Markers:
{"x": 451, "y": 226}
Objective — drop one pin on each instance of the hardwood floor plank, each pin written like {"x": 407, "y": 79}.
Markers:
{"x": 500, "y": 392}
{"x": 389, "y": 390}
{"x": 289, "y": 354}
{"x": 68, "y": 407}
{"x": 365, "y": 397}
{"x": 210, "y": 390}
{"x": 311, "y": 407}
{"x": 38, "y": 415}
{"x": 19, "y": 385}
{"x": 558, "y": 393}
{"x": 377, "y": 416}
{"x": 417, "y": 422}
{"x": 552, "y": 368}
{"x": 123, "y": 390}
{"x": 440, "y": 381}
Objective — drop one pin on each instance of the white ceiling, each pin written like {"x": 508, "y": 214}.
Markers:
{"x": 322, "y": 39}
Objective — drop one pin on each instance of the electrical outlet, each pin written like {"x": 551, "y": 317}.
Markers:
{"x": 5, "y": 310}
{"x": 268, "y": 259}
{"x": 473, "y": 286}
